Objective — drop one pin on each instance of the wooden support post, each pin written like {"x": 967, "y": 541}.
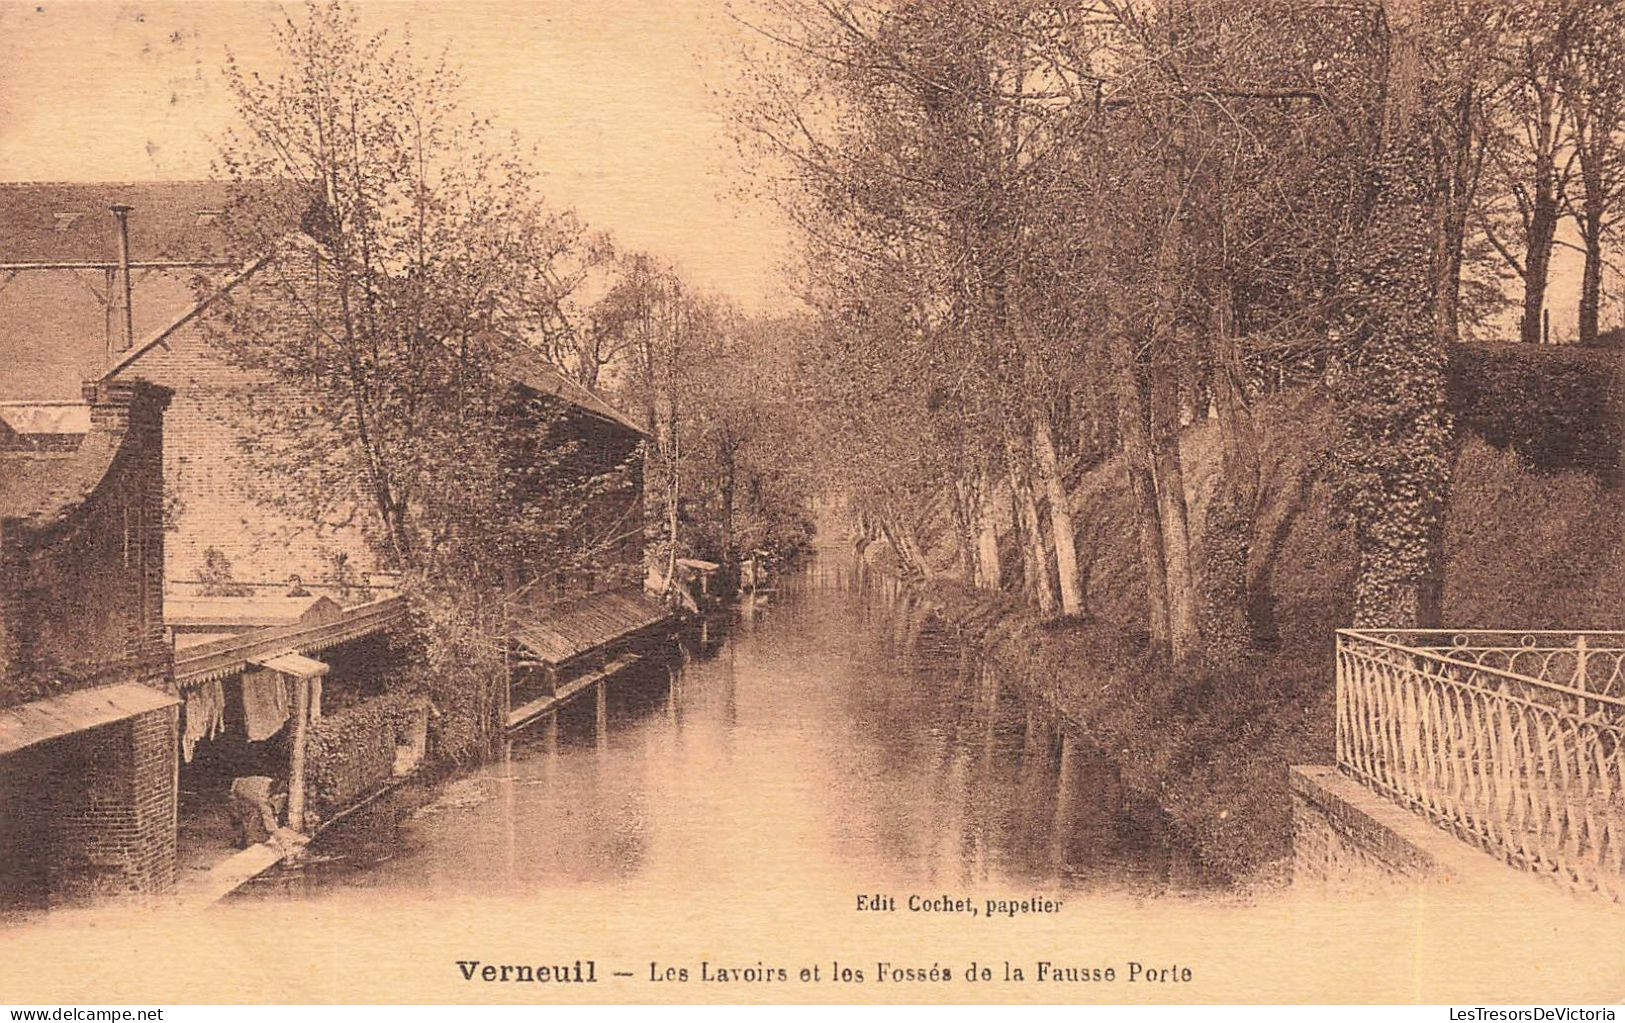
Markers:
{"x": 601, "y": 713}
{"x": 296, "y": 755}
{"x": 550, "y": 733}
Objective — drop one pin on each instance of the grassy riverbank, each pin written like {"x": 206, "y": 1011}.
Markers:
{"x": 1211, "y": 754}
{"x": 1525, "y": 547}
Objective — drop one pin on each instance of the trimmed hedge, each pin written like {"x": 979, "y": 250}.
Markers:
{"x": 352, "y": 752}
{"x": 1559, "y": 406}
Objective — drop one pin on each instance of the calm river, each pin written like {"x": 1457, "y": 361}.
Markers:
{"x": 823, "y": 730}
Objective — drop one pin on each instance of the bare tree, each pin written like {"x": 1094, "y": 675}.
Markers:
{"x": 1531, "y": 155}
{"x": 1594, "y": 96}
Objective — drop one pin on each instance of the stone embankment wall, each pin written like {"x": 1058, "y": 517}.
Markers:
{"x": 1346, "y": 837}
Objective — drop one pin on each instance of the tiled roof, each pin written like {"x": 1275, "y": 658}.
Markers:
{"x": 56, "y": 327}
{"x": 41, "y": 488}
{"x": 50, "y": 222}
{"x": 532, "y": 371}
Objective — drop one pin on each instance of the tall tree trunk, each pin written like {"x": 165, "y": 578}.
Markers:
{"x": 901, "y": 538}
{"x": 964, "y": 506}
{"x": 1396, "y": 435}
{"x": 1231, "y": 620}
{"x": 1184, "y": 630}
{"x": 1460, "y": 180}
{"x": 671, "y": 515}
{"x": 1180, "y": 583}
{"x": 1060, "y": 517}
{"x": 729, "y": 555}
{"x": 990, "y": 574}
{"x": 1134, "y": 435}
{"x": 1591, "y": 284}
{"x": 1040, "y": 580}
{"x": 1449, "y": 311}
{"x": 1538, "y": 263}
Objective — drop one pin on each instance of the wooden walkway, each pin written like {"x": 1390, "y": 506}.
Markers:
{"x": 544, "y": 705}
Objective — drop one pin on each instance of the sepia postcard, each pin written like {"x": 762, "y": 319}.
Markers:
{"x": 812, "y": 501}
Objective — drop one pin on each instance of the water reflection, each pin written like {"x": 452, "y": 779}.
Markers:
{"x": 826, "y": 729}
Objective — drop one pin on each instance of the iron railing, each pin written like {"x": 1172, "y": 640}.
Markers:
{"x": 1514, "y": 741}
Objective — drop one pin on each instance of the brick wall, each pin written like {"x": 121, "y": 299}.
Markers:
{"x": 216, "y": 496}
{"x": 120, "y": 836}
{"x": 91, "y": 814}
{"x": 81, "y": 605}
{"x": 81, "y": 600}
{"x": 117, "y": 827}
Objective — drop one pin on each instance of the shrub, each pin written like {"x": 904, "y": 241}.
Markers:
{"x": 1614, "y": 338}
{"x": 350, "y": 753}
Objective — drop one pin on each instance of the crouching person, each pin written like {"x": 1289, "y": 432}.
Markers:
{"x": 257, "y": 804}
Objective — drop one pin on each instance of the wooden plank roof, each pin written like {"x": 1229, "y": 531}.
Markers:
{"x": 562, "y": 633}
{"x": 296, "y": 665}
{"x": 527, "y": 368}
{"x": 311, "y": 634}
{"x": 243, "y": 612}
{"x": 66, "y": 713}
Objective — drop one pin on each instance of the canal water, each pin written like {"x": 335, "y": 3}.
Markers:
{"x": 825, "y": 729}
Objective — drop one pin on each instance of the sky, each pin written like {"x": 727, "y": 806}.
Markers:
{"x": 617, "y": 95}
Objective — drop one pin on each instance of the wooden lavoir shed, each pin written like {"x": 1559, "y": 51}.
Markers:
{"x": 569, "y": 648}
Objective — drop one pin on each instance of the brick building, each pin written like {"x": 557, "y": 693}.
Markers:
{"x": 95, "y": 278}
{"x": 76, "y": 290}
{"x": 87, "y": 711}
{"x": 132, "y": 284}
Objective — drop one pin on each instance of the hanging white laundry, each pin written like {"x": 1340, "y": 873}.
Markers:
{"x": 265, "y": 703}
{"x": 205, "y": 715}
